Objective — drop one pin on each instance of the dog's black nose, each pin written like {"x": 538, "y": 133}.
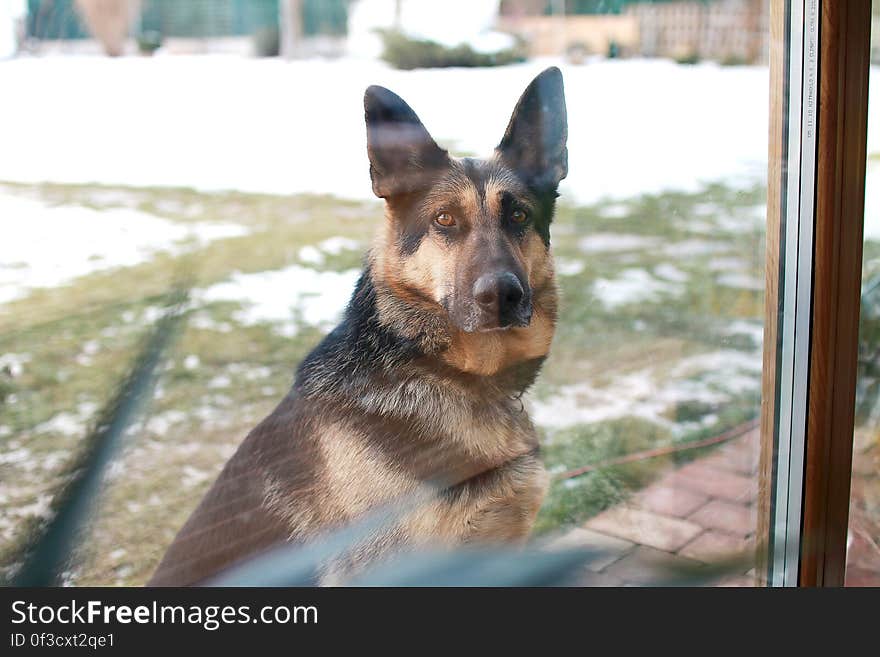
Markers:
{"x": 498, "y": 292}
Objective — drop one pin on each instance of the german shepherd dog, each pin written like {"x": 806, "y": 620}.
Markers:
{"x": 421, "y": 382}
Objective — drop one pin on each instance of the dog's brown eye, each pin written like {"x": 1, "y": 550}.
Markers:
{"x": 445, "y": 219}
{"x": 519, "y": 216}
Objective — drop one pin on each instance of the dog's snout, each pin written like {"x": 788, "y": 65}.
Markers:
{"x": 499, "y": 292}
{"x": 485, "y": 291}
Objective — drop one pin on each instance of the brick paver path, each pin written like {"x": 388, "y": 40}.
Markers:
{"x": 697, "y": 513}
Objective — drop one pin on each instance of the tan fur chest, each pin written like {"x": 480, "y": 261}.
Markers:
{"x": 489, "y": 459}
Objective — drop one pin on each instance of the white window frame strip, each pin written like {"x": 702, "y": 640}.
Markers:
{"x": 799, "y": 186}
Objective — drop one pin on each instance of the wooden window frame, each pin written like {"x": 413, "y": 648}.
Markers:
{"x": 806, "y": 456}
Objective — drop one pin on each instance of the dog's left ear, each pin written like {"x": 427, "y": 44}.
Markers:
{"x": 400, "y": 149}
{"x": 534, "y": 143}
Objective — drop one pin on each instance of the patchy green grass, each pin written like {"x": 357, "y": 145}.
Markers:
{"x": 630, "y": 317}
{"x": 572, "y": 500}
{"x": 693, "y": 242}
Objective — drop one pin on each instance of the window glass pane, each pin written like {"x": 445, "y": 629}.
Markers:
{"x": 863, "y": 540}
{"x": 192, "y": 159}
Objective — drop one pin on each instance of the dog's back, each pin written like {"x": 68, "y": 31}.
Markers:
{"x": 233, "y": 519}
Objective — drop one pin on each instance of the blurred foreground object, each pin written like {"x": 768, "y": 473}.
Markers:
{"x": 47, "y": 559}
{"x": 109, "y": 21}
{"x": 12, "y": 19}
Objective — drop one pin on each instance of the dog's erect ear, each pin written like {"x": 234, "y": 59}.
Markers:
{"x": 399, "y": 147}
{"x": 535, "y": 141}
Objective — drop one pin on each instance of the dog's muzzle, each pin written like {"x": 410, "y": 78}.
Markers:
{"x": 502, "y": 301}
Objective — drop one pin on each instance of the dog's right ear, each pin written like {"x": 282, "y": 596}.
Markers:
{"x": 399, "y": 147}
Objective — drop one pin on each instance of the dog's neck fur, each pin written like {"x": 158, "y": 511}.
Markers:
{"x": 379, "y": 364}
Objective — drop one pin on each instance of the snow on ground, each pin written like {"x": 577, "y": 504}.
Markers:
{"x": 754, "y": 219}
{"x": 741, "y": 281}
{"x": 69, "y": 423}
{"x": 13, "y": 364}
{"x": 285, "y": 297}
{"x": 710, "y": 378}
{"x": 615, "y": 210}
{"x": 48, "y": 246}
{"x": 568, "y": 266}
{"x": 632, "y": 286}
{"x": 224, "y": 122}
{"x": 316, "y": 254}
{"x": 670, "y": 272}
{"x": 604, "y": 242}
{"x": 289, "y": 296}
{"x": 753, "y": 329}
{"x": 268, "y": 125}
{"x": 872, "y": 180}
{"x": 693, "y": 248}
{"x": 728, "y": 264}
